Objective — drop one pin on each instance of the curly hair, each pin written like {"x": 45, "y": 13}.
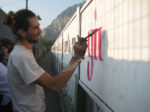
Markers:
{"x": 18, "y": 20}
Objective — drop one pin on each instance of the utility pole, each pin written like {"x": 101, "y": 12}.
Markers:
{"x": 27, "y": 4}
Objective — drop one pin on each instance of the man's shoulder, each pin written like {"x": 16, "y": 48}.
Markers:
{"x": 17, "y": 54}
{"x": 20, "y": 51}
{"x": 20, "y": 55}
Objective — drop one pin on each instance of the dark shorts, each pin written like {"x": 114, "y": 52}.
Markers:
{"x": 6, "y": 108}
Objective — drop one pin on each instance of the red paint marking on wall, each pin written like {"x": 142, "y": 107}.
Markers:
{"x": 95, "y": 45}
{"x": 95, "y": 14}
{"x": 88, "y": 45}
{"x": 92, "y": 51}
{"x": 99, "y": 44}
{"x": 90, "y": 74}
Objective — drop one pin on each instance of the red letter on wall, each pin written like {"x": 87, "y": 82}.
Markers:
{"x": 94, "y": 51}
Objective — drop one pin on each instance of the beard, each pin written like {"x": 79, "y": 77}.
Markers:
{"x": 32, "y": 40}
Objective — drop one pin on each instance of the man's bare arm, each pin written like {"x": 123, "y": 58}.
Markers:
{"x": 57, "y": 82}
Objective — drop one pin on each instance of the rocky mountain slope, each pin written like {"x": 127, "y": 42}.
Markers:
{"x": 57, "y": 25}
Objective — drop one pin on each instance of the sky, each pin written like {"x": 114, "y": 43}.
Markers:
{"x": 48, "y": 10}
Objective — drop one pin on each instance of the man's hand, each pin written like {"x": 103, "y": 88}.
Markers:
{"x": 80, "y": 49}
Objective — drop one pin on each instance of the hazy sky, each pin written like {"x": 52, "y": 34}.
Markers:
{"x": 47, "y": 9}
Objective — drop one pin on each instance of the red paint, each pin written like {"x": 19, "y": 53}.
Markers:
{"x": 90, "y": 73}
{"x": 95, "y": 45}
{"x": 92, "y": 47}
{"x": 99, "y": 44}
{"x": 95, "y": 15}
{"x": 92, "y": 51}
{"x": 89, "y": 45}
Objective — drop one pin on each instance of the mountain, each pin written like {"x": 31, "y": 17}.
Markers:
{"x": 4, "y": 30}
{"x": 57, "y": 25}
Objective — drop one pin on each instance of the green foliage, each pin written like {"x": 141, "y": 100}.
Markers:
{"x": 47, "y": 42}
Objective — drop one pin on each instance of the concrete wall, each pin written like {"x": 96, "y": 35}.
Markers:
{"x": 115, "y": 71}
{"x": 63, "y": 49}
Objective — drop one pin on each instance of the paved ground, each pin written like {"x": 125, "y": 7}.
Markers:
{"x": 51, "y": 98}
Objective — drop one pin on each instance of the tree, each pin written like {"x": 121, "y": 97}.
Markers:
{"x": 47, "y": 43}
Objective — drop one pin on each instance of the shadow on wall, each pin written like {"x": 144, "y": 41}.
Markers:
{"x": 118, "y": 83}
